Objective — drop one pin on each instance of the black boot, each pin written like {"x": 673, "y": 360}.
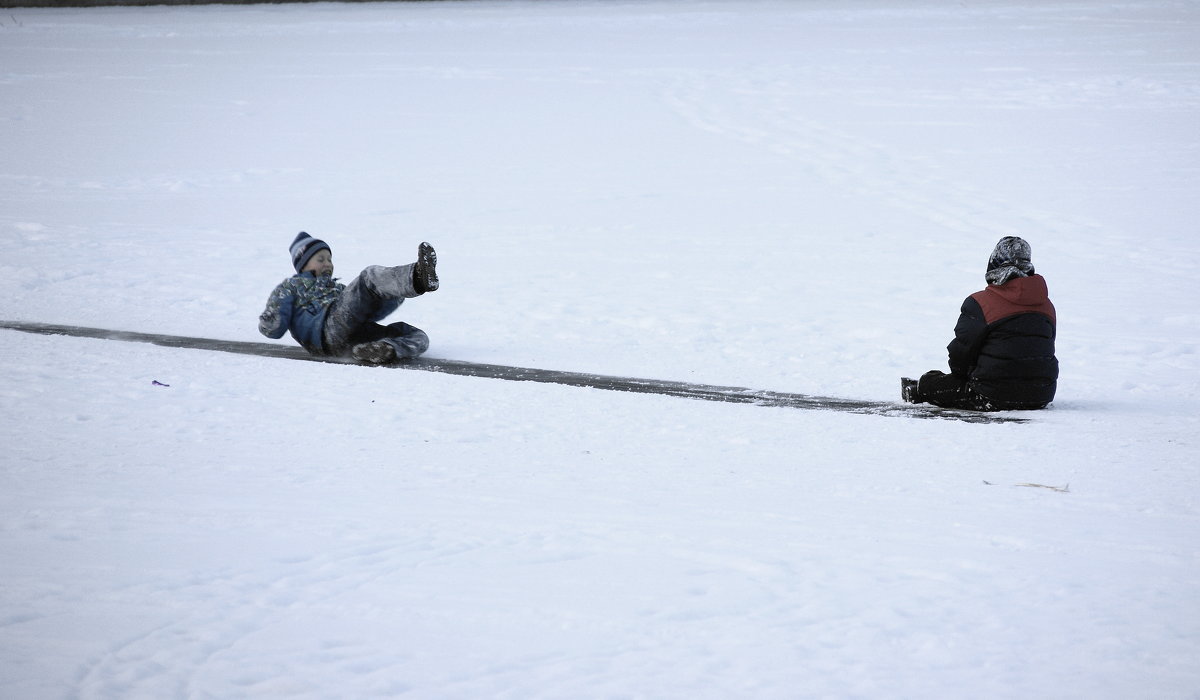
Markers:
{"x": 425, "y": 277}
{"x": 908, "y": 389}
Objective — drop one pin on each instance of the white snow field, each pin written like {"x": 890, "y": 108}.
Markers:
{"x": 793, "y": 196}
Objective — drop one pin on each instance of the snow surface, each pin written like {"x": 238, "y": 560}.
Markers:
{"x": 782, "y": 195}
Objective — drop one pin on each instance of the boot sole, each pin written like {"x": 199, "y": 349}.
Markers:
{"x": 427, "y": 263}
{"x": 377, "y": 353}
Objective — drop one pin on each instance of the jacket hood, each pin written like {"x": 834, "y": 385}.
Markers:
{"x": 1023, "y": 291}
{"x": 1018, "y": 296}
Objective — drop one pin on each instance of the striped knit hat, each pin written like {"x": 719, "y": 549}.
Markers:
{"x": 304, "y": 247}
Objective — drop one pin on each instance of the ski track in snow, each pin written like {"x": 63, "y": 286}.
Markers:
{"x": 720, "y": 104}
{"x": 176, "y": 659}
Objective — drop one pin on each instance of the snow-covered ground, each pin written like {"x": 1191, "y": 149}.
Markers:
{"x": 782, "y": 195}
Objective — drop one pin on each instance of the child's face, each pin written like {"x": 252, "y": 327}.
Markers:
{"x": 320, "y": 264}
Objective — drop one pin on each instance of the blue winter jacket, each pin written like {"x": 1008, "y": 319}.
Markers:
{"x": 299, "y": 304}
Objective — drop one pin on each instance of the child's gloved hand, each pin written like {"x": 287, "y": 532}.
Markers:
{"x": 270, "y": 322}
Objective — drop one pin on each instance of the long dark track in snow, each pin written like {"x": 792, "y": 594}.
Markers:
{"x": 687, "y": 390}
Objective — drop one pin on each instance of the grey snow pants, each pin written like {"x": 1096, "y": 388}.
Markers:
{"x": 368, "y": 298}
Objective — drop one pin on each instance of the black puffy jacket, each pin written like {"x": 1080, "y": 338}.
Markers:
{"x": 1004, "y": 344}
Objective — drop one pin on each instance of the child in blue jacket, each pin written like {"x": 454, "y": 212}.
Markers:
{"x": 1002, "y": 356}
{"x": 332, "y": 319}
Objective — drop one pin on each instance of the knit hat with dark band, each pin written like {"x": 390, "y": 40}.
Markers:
{"x": 304, "y": 247}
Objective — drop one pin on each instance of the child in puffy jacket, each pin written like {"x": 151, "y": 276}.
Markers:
{"x": 1002, "y": 356}
{"x": 332, "y": 319}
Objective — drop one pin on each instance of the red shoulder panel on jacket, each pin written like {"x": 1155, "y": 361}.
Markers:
{"x": 1019, "y": 296}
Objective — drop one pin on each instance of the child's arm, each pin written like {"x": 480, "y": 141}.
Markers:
{"x": 273, "y": 321}
{"x": 968, "y": 336}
